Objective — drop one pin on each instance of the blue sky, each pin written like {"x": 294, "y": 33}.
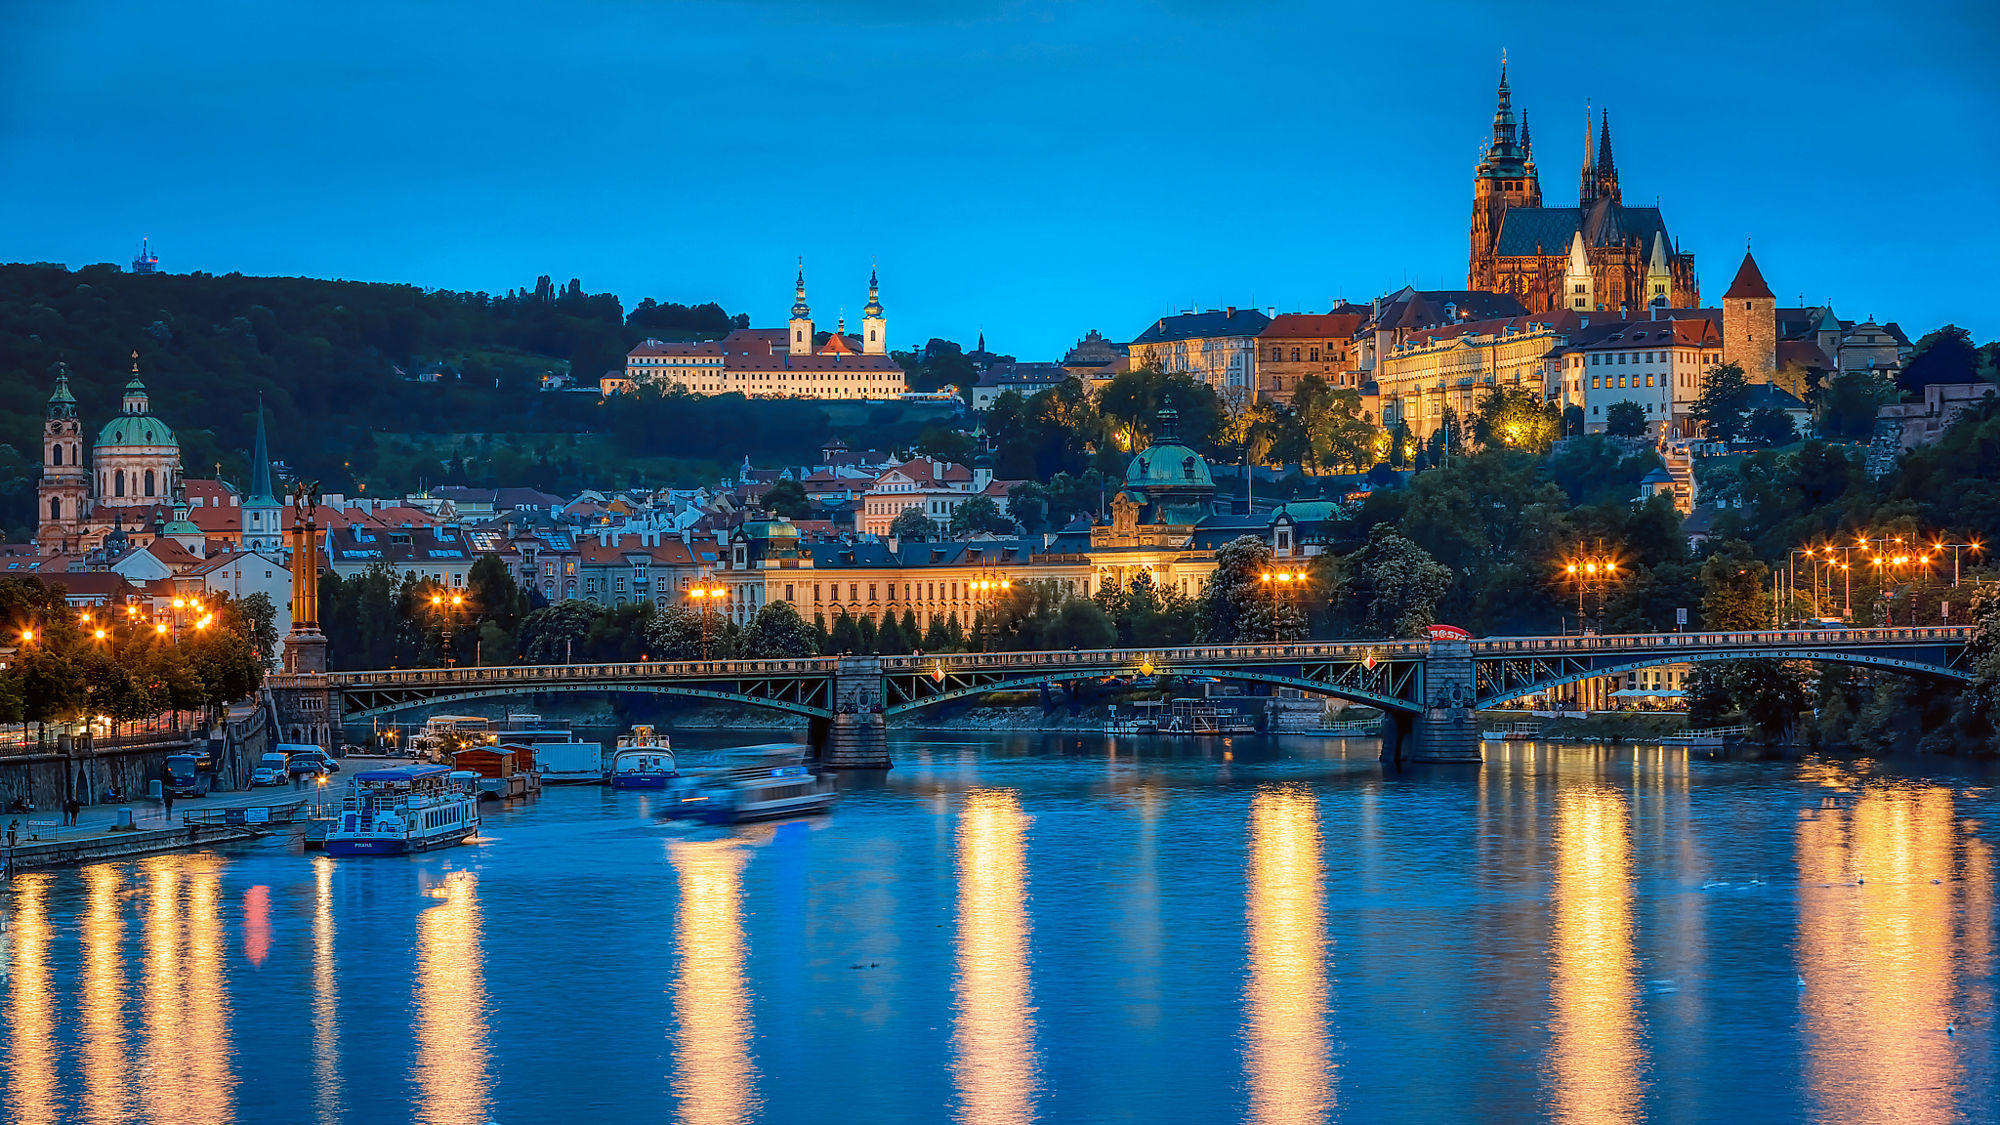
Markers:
{"x": 1034, "y": 168}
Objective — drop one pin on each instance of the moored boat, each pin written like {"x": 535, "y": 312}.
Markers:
{"x": 403, "y": 809}
{"x": 643, "y": 760}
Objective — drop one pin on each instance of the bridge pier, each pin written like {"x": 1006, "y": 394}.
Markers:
{"x": 858, "y": 736}
{"x": 1446, "y": 729}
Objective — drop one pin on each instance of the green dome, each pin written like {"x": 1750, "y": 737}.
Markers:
{"x": 132, "y": 430}
{"x": 1168, "y": 464}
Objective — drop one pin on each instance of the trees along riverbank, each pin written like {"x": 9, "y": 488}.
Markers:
{"x": 72, "y": 664}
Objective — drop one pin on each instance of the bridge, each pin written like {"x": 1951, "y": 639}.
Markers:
{"x": 1428, "y": 691}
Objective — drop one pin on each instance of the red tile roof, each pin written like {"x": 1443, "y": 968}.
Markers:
{"x": 1749, "y": 283}
{"x": 1312, "y": 326}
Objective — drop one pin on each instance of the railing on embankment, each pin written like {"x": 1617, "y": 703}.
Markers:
{"x": 46, "y": 779}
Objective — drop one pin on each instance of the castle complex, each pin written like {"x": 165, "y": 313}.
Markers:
{"x": 1597, "y": 255}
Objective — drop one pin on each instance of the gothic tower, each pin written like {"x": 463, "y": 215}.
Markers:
{"x": 874, "y": 329}
{"x": 263, "y": 515}
{"x": 802, "y": 323}
{"x": 1586, "y": 191}
{"x": 1606, "y": 173}
{"x": 1505, "y": 177}
{"x": 1750, "y": 323}
{"x": 64, "y": 492}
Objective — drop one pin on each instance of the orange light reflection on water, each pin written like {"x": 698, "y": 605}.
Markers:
{"x": 451, "y": 1070}
{"x": 714, "y": 1080}
{"x": 106, "y": 1074}
{"x": 1595, "y": 1055}
{"x": 993, "y": 1038}
{"x": 31, "y": 1055}
{"x": 1286, "y": 1048}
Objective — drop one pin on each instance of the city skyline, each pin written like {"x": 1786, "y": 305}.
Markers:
{"x": 1012, "y": 167}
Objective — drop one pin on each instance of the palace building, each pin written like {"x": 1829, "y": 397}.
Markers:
{"x": 1599, "y": 255}
{"x": 796, "y": 361}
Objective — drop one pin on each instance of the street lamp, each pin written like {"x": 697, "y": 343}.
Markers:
{"x": 711, "y": 593}
{"x": 1281, "y": 583}
{"x": 989, "y": 590}
{"x": 1590, "y": 572}
{"x": 447, "y": 608}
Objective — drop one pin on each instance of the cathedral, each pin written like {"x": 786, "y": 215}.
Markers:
{"x": 132, "y": 481}
{"x": 1598, "y": 255}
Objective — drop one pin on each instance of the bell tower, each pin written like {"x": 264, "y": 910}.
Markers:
{"x": 1505, "y": 177}
{"x": 801, "y": 341}
{"x": 874, "y": 329}
{"x": 63, "y": 496}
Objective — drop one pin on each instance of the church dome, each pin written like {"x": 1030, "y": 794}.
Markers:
{"x": 1168, "y": 464}
{"x": 136, "y": 431}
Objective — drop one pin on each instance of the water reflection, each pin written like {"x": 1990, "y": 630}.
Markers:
{"x": 257, "y": 924}
{"x": 31, "y": 1055}
{"x": 1595, "y": 1054}
{"x": 713, "y": 1076}
{"x": 105, "y": 1077}
{"x": 994, "y": 1037}
{"x": 326, "y": 997}
{"x": 1287, "y": 992}
{"x": 205, "y": 1048}
{"x": 164, "y": 1077}
{"x": 452, "y": 1080}
{"x": 1880, "y": 952}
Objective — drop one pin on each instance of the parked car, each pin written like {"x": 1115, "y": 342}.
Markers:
{"x": 313, "y": 765}
{"x": 272, "y": 769}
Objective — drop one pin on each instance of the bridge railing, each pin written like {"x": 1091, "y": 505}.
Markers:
{"x": 551, "y": 673}
{"x": 1162, "y": 659}
{"x": 1754, "y": 638}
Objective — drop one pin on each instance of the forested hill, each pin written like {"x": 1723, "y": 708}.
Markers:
{"x": 331, "y": 359}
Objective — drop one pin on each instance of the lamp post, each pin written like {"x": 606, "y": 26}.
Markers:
{"x": 446, "y": 607}
{"x": 711, "y": 594}
{"x": 1591, "y": 572}
{"x": 1281, "y": 584}
{"x": 988, "y": 590}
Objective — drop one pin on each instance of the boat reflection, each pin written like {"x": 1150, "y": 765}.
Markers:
{"x": 1886, "y": 925}
{"x": 326, "y": 997}
{"x": 1595, "y": 1054}
{"x": 1286, "y": 1049}
{"x": 714, "y": 1082}
{"x": 451, "y": 1067}
{"x": 993, "y": 1039}
{"x": 105, "y": 1077}
{"x": 31, "y": 1054}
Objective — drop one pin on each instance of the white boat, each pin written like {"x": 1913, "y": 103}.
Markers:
{"x": 405, "y": 809}
{"x": 643, "y": 760}
{"x": 773, "y": 782}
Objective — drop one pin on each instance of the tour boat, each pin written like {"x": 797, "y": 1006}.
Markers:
{"x": 775, "y": 782}
{"x": 1199, "y": 716}
{"x": 643, "y": 760}
{"x": 404, "y": 809}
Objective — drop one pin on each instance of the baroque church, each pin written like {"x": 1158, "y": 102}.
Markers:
{"x": 131, "y": 483}
{"x": 1598, "y": 255}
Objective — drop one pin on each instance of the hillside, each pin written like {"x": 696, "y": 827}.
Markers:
{"x": 335, "y": 363}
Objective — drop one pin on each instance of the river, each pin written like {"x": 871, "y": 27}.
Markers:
{"x": 1025, "y": 928}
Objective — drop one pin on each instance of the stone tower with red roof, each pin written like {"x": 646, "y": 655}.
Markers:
{"x": 1750, "y": 323}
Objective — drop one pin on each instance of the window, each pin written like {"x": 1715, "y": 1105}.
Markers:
{"x": 149, "y": 482}
{"x": 55, "y": 455}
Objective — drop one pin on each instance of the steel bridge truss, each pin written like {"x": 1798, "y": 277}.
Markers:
{"x": 1500, "y": 679}
{"x": 1394, "y": 683}
{"x": 807, "y": 693}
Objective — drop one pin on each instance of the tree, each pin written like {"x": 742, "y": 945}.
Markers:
{"x": 1329, "y": 435}
{"x": 1944, "y": 356}
{"x": 1848, "y": 405}
{"x": 945, "y": 444}
{"x": 1391, "y": 587}
{"x": 1769, "y": 426}
{"x": 1733, "y": 583}
{"x": 913, "y": 525}
{"x": 1240, "y": 604}
{"x": 786, "y": 498}
{"x": 777, "y": 632}
{"x": 1624, "y": 419}
{"x": 844, "y": 637}
{"x": 980, "y": 514}
{"x": 558, "y": 633}
{"x": 260, "y": 618}
{"x": 1725, "y": 394}
{"x": 1516, "y": 418}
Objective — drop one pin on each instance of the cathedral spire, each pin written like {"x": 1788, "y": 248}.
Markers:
{"x": 260, "y": 462}
{"x": 1527, "y": 141}
{"x": 1607, "y": 170}
{"x": 1586, "y": 192}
